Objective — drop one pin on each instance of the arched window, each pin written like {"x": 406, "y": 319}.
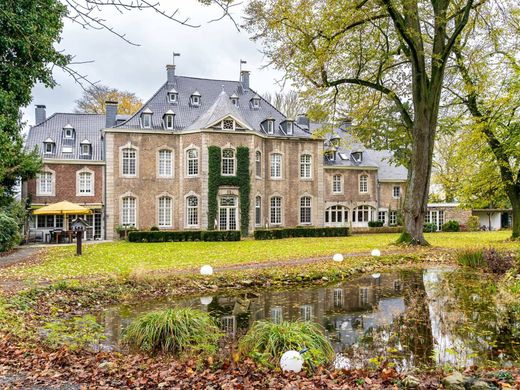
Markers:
{"x": 128, "y": 212}
{"x": 363, "y": 184}
{"x": 336, "y": 214}
{"x": 258, "y": 164}
{"x": 129, "y": 161}
{"x": 192, "y": 162}
{"x": 305, "y": 166}
{"x": 258, "y": 211}
{"x": 305, "y": 210}
{"x": 192, "y": 211}
{"x": 276, "y": 210}
{"x": 362, "y": 214}
{"x": 228, "y": 162}
{"x": 164, "y": 211}
{"x": 165, "y": 163}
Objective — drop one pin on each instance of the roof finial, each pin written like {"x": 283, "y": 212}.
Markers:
{"x": 242, "y": 62}
{"x": 175, "y": 55}
{"x": 222, "y": 85}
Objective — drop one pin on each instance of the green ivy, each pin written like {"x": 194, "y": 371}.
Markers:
{"x": 241, "y": 180}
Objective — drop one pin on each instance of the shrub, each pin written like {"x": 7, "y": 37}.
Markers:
{"x": 451, "y": 226}
{"x": 167, "y": 236}
{"x": 496, "y": 262}
{"x": 265, "y": 342}
{"x": 377, "y": 230}
{"x": 373, "y": 224}
{"x": 274, "y": 234}
{"x": 429, "y": 228}
{"x": 473, "y": 224}
{"x": 178, "y": 331}
{"x": 221, "y": 235}
{"x": 154, "y": 229}
{"x": 470, "y": 258}
{"x": 9, "y": 232}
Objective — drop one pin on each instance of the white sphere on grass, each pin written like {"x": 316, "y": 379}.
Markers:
{"x": 206, "y": 270}
{"x": 206, "y": 300}
{"x": 338, "y": 257}
{"x": 376, "y": 275}
{"x": 376, "y": 252}
{"x": 291, "y": 361}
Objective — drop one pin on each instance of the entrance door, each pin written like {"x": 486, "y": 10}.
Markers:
{"x": 228, "y": 211}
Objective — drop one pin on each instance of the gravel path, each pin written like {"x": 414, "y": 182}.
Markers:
{"x": 18, "y": 255}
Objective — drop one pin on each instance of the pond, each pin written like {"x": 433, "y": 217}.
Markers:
{"x": 410, "y": 317}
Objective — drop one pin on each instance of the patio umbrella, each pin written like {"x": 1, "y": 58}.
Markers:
{"x": 62, "y": 208}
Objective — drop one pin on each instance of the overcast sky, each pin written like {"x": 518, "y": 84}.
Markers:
{"x": 212, "y": 50}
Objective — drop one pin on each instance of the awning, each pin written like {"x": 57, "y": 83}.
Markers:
{"x": 62, "y": 208}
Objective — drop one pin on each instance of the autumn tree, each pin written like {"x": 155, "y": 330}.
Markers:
{"x": 94, "y": 97}
{"x": 371, "y": 52}
{"x": 288, "y": 103}
{"x": 487, "y": 85}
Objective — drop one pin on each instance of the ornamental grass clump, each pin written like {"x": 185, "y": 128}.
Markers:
{"x": 177, "y": 331}
{"x": 471, "y": 257}
{"x": 265, "y": 342}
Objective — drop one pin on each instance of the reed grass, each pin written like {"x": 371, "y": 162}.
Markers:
{"x": 471, "y": 257}
{"x": 265, "y": 342}
{"x": 177, "y": 331}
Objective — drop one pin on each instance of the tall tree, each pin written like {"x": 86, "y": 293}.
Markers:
{"x": 288, "y": 103}
{"x": 94, "y": 97}
{"x": 387, "y": 51}
{"x": 28, "y": 31}
{"x": 488, "y": 86}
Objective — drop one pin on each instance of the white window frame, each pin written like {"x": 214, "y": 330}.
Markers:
{"x": 337, "y": 184}
{"x": 306, "y": 166}
{"x": 50, "y": 185}
{"x": 80, "y": 183}
{"x": 307, "y": 208}
{"x": 46, "y": 147}
{"x": 164, "y": 211}
{"x": 85, "y": 149}
{"x": 394, "y": 188}
{"x": 258, "y": 164}
{"x": 68, "y": 133}
{"x": 191, "y": 210}
{"x": 128, "y": 211}
{"x": 229, "y": 164}
{"x": 290, "y": 128}
{"x": 365, "y": 210}
{"x": 192, "y": 163}
{"x": 382, "y": 216}
{"x": 234, "y": 101}
{"x": 172, "y": 97}
{"x": 147, "y": 124}
{"x": 195, "y": 100}
{"x": 276, "y": 210}
{"x": 363, "y": 183}
{"x": 392, "y": 218}
{"x": 276, "y": 166}
{"x": 258, "y": 210}
{"x": 168, "y": 121}
{"x": 335, "y": 210}
{"x": 255, "y": 102}
{"x": 122, "y": 159}
{"x": 270, "y": 127}
{"x": 163, "y": 163}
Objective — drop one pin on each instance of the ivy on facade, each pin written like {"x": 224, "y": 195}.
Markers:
{"x": 241, "y": 180}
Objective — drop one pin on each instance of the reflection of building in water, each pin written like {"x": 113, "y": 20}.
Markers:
{"x": 277, "y": 314}
{"x": 306, "y": 312}
{"x": 229, "y": 325}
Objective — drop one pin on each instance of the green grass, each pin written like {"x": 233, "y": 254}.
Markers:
{"x": 265, "y": 342}
{"x": 178, "y": 331}
{"x": 123, "y": 258}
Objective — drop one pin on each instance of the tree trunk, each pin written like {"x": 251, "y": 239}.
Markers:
{"x": 514, "y": 197}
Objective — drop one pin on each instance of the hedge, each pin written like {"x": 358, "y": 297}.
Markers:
{"x": 429, "y": 227}
{"x": 374, "y": 224}
{"x": 377, "y": 230}
{"x": 275, "y": 234}
{"x": 184, "y": 235}
{"x": 451, "y": 226}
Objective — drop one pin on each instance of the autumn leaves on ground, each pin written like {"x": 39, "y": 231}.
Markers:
{"x": 49, "y": 331}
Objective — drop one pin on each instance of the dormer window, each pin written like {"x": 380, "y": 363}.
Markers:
{"x": 330, "y": 155}
{"x": 255, "y": 102}
{"x": 195, "y": 99}
{"x": 172, "y": 96}
{"x": 68, "y": 132}
{"x": 290, "y": 127}
{"x": 86, "y": 148}
{"x": 168, "y": 119}
{"x": 48, "y": 146}
{"x": 270, "y": 126}
{"x": 234, "y": 100}
{"x": 357, "y": 157}
{"x": 146, "y": 118}
{"x": 335, "y": 140}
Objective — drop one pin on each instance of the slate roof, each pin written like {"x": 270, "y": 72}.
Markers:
{"x": 381, "y": 160}
{"x": 86, "y": 127}
{"x": 188, "y": 117}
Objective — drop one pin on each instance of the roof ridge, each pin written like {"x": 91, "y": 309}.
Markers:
{"x": 208, "y": 79}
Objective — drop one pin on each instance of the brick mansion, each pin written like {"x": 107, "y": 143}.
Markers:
{"x": 204, "y": 153}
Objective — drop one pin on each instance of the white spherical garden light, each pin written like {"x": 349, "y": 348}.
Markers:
{"x": 291, "y": 361}
{"x": 376, "y": 252}
{"x": 206, "y": 270}
{"x": 206, "y": 300}
{"x": 338, "y": 257}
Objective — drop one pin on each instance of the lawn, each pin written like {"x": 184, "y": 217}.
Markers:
{"x": 123, "y": 258}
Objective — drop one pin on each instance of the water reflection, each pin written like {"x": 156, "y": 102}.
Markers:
{"x": 408, "y": 317}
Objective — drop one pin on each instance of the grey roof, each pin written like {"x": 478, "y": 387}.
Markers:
{"x": 188, "y": 117}
{"x": 387, "y": 170}
{"x": 86, "y": 127}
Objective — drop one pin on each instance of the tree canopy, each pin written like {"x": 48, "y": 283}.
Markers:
{"x": 94, "y": 97}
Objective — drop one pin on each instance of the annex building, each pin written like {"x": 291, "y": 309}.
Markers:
{"x": 202, "y": 154}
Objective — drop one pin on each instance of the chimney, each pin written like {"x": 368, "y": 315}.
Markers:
{"x": 39, "y": 114}
{"x": 244, "y": 79}
{"x": 302, "y": 120}
{"x": 110, "y": 113}
{"x": 170, "y": 73}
